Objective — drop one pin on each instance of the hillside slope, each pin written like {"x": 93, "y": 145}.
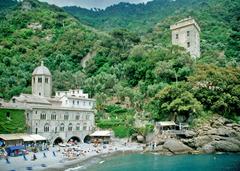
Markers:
{"x": 35, "y": 31}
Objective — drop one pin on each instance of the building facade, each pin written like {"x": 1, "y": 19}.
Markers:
{"x": 69, "y": 115}
{"x": 185, "y": 33}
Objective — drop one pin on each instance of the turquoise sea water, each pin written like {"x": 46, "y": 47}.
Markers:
{"x": 151, "y": 162}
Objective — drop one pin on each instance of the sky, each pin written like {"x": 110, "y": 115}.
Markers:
{"x": 91, "y": 3}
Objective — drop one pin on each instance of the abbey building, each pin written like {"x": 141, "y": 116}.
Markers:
{"x": 67, "y": 115}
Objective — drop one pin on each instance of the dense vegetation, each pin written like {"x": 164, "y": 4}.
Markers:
{"x": 12, "y": 121}
{"x": 134, "y": 77}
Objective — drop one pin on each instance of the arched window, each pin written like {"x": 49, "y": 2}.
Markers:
{"x": 46, "y": 127}
{"x": 53, "y": 116}
{"x": 43, "y": 116}
{"x": 78, "y": 127}
{"x": 62, "y": 127}
{"x": 70, "y": 126}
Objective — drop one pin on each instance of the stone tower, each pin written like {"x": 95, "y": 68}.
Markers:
{"x": 185, "y": 33}
{"x": 42, "y": 81}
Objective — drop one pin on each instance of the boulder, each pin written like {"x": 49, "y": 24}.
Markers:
{"x": 208, "y": 148}
{"x": 188, "y": 142}
{"x": 176, "y": 146}
{"x": 202, "y": 140}
{"x": 225, "y": 146}
{"x": 218, "y": 121}
{"x": 189, "y": 134}
{"x": 140, "y": 138}
{"x": 227, "y": 132}
{"x": 159, "y": 149}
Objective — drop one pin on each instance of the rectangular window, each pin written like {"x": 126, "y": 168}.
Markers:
{"x": 77, "y": 117}
{"x": 53, "y": 117}
{"x": 188, "y": 33}
{"x": 176, "y": 36}
{"x": 188, "y": 44}
{"x": 46, "y": 80}
{"x": 66, "y": 117}
{"x": 39, "y": 79}
{"x": 77, "y": 128}
{"x": 73, "y": 102}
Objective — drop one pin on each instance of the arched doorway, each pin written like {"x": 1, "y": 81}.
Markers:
{"x": 87, "y": 139}
{"x": 57, "y": 141}
{"x": 74, "y": 139}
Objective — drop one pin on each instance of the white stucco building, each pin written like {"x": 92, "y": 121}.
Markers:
{"x": 67, "y": 115}
{"x": 185, "y": 33}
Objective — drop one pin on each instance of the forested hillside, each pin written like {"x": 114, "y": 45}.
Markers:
{"x": 136, "y": 73}
{"x": 35, "y": 31}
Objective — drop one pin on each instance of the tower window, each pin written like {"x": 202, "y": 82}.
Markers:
{"x": 39, "y": 94}
{"x": 46, "y": 80}
{"x": 176, "y": 36}
{"x": 33, "y": 80}
{"x": 188, "y": 33}
{"x": 188, "y": 44}
{"x": 39, "y": 79}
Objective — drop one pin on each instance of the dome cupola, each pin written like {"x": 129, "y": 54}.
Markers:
{"x": 42, "y": 81}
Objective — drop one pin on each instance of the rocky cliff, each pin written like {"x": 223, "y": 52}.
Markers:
{"x": 216, "y": 135}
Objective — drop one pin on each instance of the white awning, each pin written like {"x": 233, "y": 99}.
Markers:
{"x": 166, "y": 123}
{"x": 38, "y": 137}
{"x": 26, "y": 137}
{"x": 8, "y": 137}
{"x": 101, "y": 134}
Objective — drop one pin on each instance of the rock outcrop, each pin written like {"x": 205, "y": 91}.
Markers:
{"x": 219, "y": 134}
{"x": 176, "y": 147}
{"x": 216, "y": 135}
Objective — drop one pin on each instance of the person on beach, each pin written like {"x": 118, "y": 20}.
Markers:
{"x": 44, "y": 155}
{"x": 34, "y": 157}
{"x": 7, "y": 160}
{"x": 24, "y": 156}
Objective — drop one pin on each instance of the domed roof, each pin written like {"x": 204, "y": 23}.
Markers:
{"x": 41, "y": 70}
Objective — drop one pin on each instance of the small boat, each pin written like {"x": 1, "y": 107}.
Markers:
{"x": 101, "y": 162}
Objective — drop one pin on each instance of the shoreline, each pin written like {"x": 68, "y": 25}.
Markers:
{"x": 87, "y": 161}
{"x": 60, "y": 160}
{"x": 91, "y": 157}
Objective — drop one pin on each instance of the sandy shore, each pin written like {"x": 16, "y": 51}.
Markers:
{"x": 60, "y": 162}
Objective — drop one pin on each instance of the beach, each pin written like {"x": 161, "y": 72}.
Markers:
{"x": 63, "y": 158}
